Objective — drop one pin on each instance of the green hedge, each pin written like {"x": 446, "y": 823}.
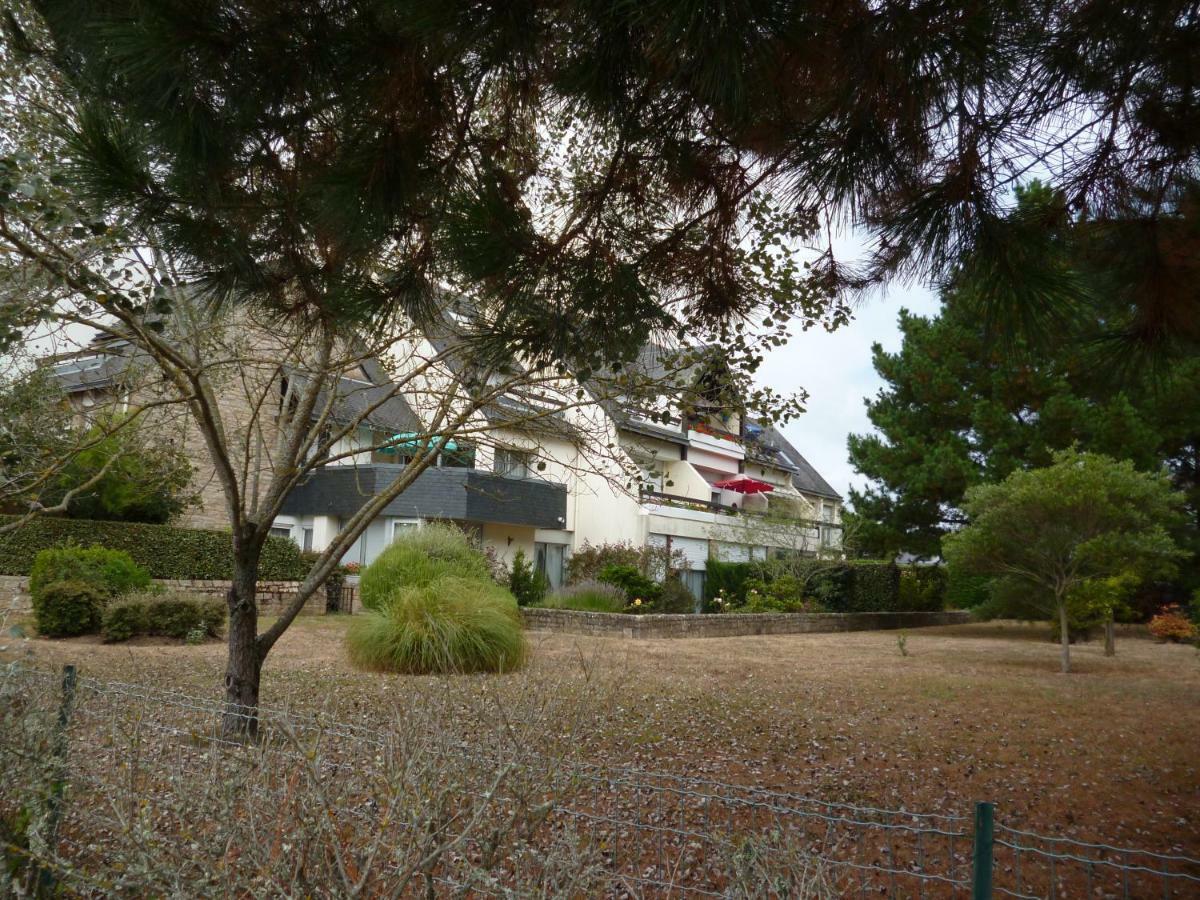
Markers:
{"x": 967, "y": 591}
{"x": 163, "y": 550}
{"x": 874, "y": 586}
{"x": 841, "y": 586}
{"x": 167, "y": 615}
{"x": 112, "y": 571}
{"x": 923, "y": 588}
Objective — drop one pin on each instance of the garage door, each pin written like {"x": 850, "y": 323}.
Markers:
{"x": 695, "y": 550}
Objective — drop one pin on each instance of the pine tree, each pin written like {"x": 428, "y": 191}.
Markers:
{"x": 961, "y": 408}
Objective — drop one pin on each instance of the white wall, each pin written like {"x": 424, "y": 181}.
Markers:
{"x": 506, "y": 540}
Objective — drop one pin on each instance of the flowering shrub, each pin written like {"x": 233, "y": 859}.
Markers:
{"x": 632, "y": 582}
{"x": 587, "y": 562}
{"x": 783, "y": 594}
{"x": 1171, "y": 625}
{"x": 639, "y": 607}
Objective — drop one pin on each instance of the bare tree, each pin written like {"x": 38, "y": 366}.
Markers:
{"x": 268, "y": 400}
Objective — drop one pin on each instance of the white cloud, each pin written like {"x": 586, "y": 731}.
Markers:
{"x": 836, "y": 371}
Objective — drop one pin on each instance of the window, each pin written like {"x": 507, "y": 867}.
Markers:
{"x": 307, "y": 543}
{"x": 284, "y": 531}
{"x": 400, "y": 526}
{"x": 550, "y": 560}
{"x": 512, "y": 463}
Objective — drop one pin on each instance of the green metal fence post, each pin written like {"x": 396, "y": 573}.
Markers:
{"x": 981, "y": 868}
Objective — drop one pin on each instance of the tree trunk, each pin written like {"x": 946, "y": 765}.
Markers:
{"x": 244, "y": 665}
{"x": 1110, "y": 637}
{"x": 1065, "y": 636}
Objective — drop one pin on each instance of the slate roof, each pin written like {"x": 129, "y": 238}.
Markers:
{"x": 88, "y": 372}
{"x": 772, "y": 447}
{"x": 104, "y": 368}
{"x": 355, "y": 397}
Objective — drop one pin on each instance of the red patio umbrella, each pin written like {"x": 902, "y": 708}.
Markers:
{"x": 744, "y": 484}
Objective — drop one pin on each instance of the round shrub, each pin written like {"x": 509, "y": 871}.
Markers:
{"x": 450, "y": 625}
{"x": 176, "y": 616}
{"x": 1172, "y": 625}
{"x": 417, "y": 558}
{"x": 68, "y": 608}
{"x": 674, "y": 597}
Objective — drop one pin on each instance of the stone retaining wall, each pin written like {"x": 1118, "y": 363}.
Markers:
{"x": 272, "y": 595}
{"x": 729, "y": 624}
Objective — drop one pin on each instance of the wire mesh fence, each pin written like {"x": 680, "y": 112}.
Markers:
{"x": 127, "y": 789}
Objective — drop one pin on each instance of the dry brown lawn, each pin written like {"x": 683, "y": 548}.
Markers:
{"x": 975, "y": 712}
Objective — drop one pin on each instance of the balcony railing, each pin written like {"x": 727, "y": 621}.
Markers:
{"x": 454, "y": 493}
{"x": 713, "y": 431}
{"x": 829, "y": 531}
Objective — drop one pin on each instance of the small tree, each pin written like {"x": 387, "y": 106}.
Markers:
{"x": 94, "y": 462}
{"x": 1056, "y": 530}
{"x": 527, "y": 584}
{"x": 131, "y": 475}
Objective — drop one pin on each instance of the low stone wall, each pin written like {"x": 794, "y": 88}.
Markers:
{"x": 729, "y": 624}
{"x": 272, "y": 595}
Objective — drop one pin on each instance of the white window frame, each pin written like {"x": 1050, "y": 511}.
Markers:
{"x": 397, "y": 525}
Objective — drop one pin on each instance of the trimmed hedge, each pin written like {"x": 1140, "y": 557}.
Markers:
{"x": 874, "y": 586}
{"x": 727, "y": 577}
{"x": 165, "y": 551}
{"x": 967, "y": 591}
{"x": 841, "y": 586}
{"x": 164, "y": 615}
{"x": 112, "y": 572}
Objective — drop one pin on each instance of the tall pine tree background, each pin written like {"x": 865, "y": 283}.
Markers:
{"x": 967, "y": 403}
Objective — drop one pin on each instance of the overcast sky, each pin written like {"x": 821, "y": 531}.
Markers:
{"x": 836, "y": 371}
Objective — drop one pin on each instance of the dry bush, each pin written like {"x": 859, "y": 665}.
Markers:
{"x": 458, "y": 792}
{"x": 463, "y": 791}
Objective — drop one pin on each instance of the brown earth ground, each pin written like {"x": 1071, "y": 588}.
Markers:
{"x": 1110, "y": 752}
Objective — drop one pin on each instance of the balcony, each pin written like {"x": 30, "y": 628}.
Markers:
{"x": 465, "y": 495}
{"x": 714, "y": 440}
{"x": 828, "y": 534}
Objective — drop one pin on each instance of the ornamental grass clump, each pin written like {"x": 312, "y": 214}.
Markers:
{"x": 587, "y": 596}
{"x": 417, "y": 558}
{"x": 452, "y": 625}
